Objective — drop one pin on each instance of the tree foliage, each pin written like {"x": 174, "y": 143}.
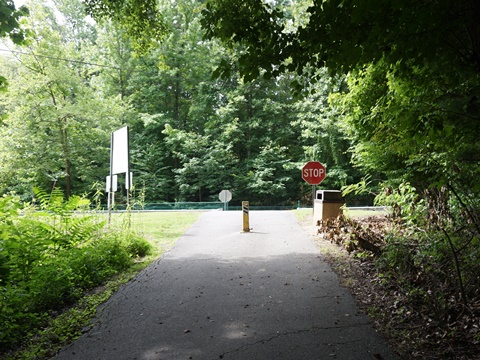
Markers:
{"x": 342, "y": 35}
{"x": 421, "y": 129}
{"x": 10, "y": 27}
{"x": 139, "y": 18}
{"x": 191, "y": 135}
{"x": 10, "y": 21}
{"x": 55, "y": 127}
{"x": 411, "y": 108}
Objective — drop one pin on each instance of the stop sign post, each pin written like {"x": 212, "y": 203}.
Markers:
{"x": 313, "y": 173}
{"x": 225, "y": 196}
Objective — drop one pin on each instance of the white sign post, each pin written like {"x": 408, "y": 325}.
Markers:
{"x": 119, "y": 163}
{"x": 111, "y": 188}
{"x": 225, "y": 196}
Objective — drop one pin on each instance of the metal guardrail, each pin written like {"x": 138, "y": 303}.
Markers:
{"x": 372, "y": 208}
{"x": 273, "y": 207}
{"x": 196, "y": 206}
{"x": 176, "y": 206}
{"x": 172, "y": 206}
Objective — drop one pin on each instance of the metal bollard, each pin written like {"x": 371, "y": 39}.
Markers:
{"x": 245, "y": 210}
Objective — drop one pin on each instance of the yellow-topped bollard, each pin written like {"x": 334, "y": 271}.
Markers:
{"x": 245, "y": 211}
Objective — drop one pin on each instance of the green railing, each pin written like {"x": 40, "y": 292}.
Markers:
{"x": 272, "y": 207}
{"x": 184, "y": 206}
{"x": 198, "y": 206}
{"x": 173, "y": 206}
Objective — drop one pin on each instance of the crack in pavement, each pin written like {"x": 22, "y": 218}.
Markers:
{"x": 296, "y": 332}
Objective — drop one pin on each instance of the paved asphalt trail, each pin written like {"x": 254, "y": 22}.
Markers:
{"x": 224, "y": 294}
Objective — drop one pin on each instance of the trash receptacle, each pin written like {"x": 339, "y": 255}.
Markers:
{"x": 327, "y": 204}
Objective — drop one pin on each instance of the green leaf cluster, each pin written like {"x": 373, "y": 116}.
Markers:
{"x": 10, "y": 19}
{"x": 343, "y": 35}
{"x": 139, "y": 18}
{"x": 50, "y": 256}
{"x": 418, "y": 129}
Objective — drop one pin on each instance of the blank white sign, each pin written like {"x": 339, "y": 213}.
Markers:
{"x": 120, "y": 151}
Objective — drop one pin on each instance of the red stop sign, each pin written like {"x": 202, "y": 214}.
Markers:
{"x": 313, "y": 172}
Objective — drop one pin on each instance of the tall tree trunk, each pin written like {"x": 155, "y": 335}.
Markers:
{"x": 63, "y": 125}
{"x": 249, "y": 100}
{"x": 176, "y": 99}
{"x": 66, "y": 156}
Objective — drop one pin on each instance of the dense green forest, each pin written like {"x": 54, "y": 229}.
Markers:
{"x": 74, "y": 81}
{"x": 238, "y": 95}
{"x": 396, "y": 103}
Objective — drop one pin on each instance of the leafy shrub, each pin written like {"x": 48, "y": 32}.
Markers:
{"x": 49, "y": 258}
{"x": 64, "y": 228}
{"x": 52, "y": 285}
{"x": 15, "y": 318}
{"x": 138, "y": 246}
{"x": 404, "y": 202}
{"x": 397, "y": 256}
{"x": 114, "y": 253}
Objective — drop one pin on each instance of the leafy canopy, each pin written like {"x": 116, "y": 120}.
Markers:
{"x": 9, "y": 21}
{"x": 140, "y": 19}
{"x": 344, "y": 34}
{"x": 10, "y": 26}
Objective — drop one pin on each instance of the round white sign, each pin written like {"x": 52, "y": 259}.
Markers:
{"x": 225, "y": 196}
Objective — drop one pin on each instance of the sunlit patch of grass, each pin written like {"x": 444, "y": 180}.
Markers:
{"x": 161, "y": 228}
{"x": 355, "y": 213}
{"x": 303, "y": 214}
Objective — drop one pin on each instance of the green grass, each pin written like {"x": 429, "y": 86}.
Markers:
{"x": 363, "y": 213}
{"x": 161, "y": 228}
{"x": 302, "y": 214}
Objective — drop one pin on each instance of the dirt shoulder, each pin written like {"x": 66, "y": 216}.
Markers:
{"x": 410, "y": 329}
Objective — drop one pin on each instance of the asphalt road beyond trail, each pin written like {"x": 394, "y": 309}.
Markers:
{"x": 224, "y": 294}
